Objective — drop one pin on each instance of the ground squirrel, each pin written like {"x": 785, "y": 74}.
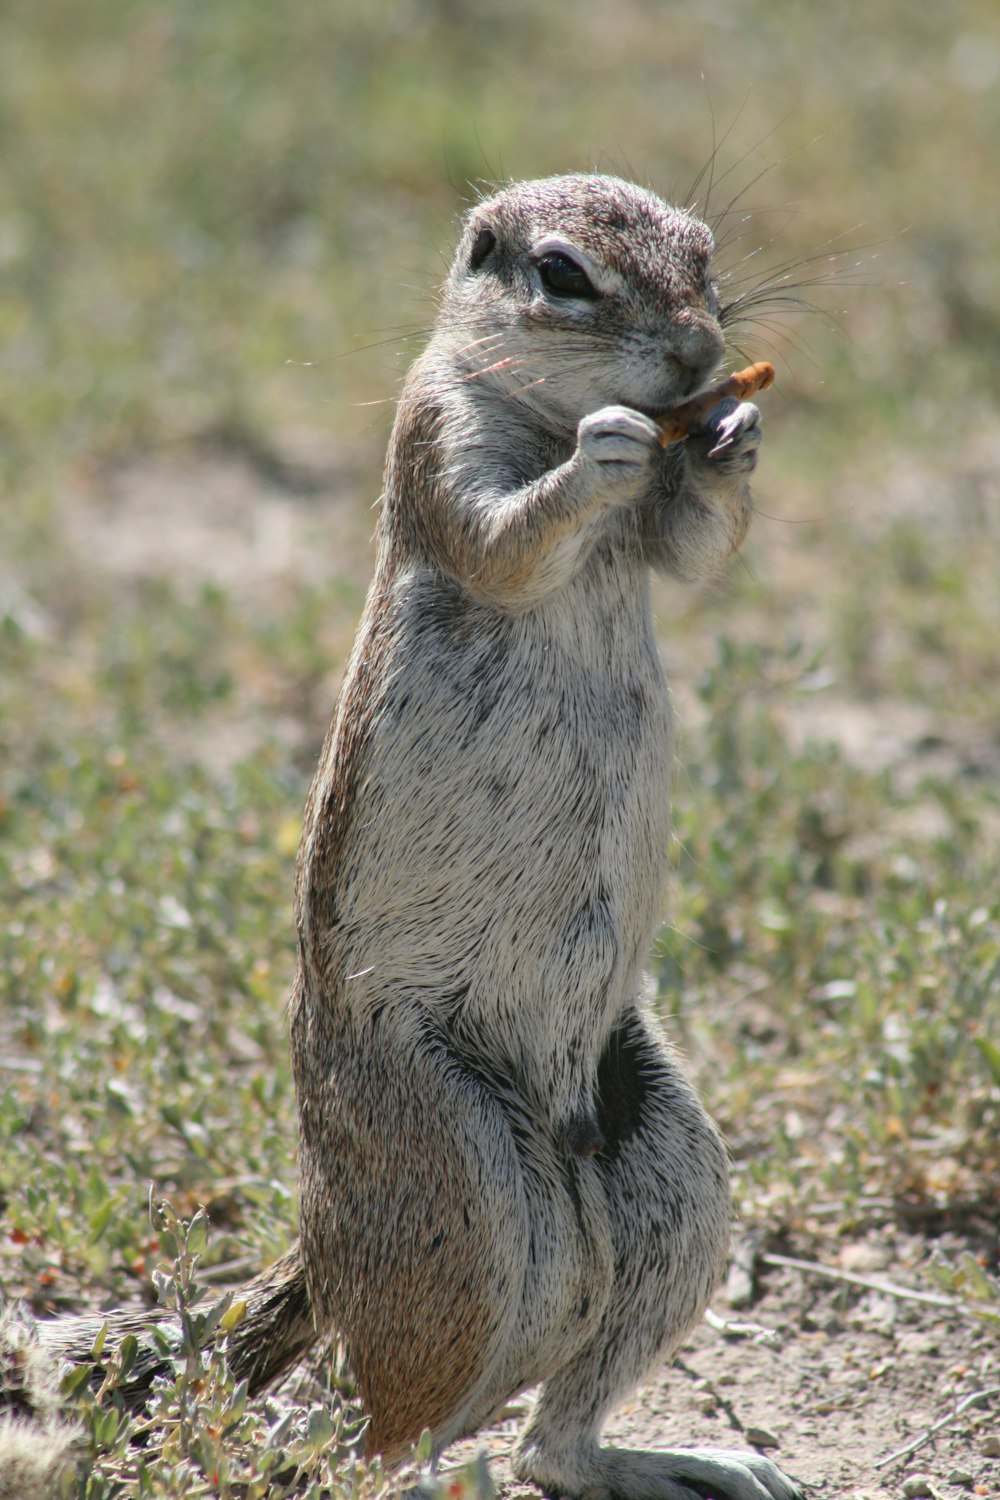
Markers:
{"x": 506, "y": 1180}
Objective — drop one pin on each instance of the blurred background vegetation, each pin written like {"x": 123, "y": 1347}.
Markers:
{"x": 220, "y": 229}
{"x": 195, "y": 195}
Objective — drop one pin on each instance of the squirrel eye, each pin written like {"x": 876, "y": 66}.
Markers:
{"x": 562, "y": 277}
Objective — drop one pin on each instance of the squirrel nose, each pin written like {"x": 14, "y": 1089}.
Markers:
{"x": 698, "y": 344}
{"x": 693, "y": 358}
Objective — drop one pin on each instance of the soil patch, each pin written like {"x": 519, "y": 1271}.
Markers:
{"x": 846, "y": 1378}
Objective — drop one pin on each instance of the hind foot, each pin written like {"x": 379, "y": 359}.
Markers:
{"x": 672, "y": 1474}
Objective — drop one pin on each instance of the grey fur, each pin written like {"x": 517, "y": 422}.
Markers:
{"x": 506, "y": 1179}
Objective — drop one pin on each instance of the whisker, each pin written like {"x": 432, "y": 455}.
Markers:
{"x": 787, "y": 520}
{"x": 751, "y": 151}
{"x": 403, "y": 334}
{"x": 689, "y": 200}
{"x": 529, "y": 386}
{"x": 511, "y": 360}
{"x": 488, "y": 342}
{"x": 744, "y": 354}
{"x": 786, "y": 338}
{"x": 822, "y": 254}
{"x": 745, "y": 226}
{"x": 716, "y": 219}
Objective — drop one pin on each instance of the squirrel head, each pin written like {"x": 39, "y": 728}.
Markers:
{"x": 572, "y": 293}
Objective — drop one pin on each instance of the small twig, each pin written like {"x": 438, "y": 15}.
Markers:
{"x": 228, "y": 1271}
{"x": 730, "y": 1328}
{"x": 952, "y": 1416}
{"x": 870, "y": 1283}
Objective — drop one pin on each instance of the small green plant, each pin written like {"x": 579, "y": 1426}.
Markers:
{"x": 821, "y": 966}
{"x": 970, "y": 1284}
{"x": 200, "y": 1434}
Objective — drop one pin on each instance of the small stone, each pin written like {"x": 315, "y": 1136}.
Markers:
{"x": 706, "y": 1403}
{"x": 959, "y": 1476}
{"x": 990, "y": 1446}
{"x": 761, "y": 1438}
{"x": 739, "y": 1286}
{"x": 864, "y": 1257}
{"x": 739, "y": 1282}
{"x": 918, "y": 1344}
{"x": 918, "y": 1485}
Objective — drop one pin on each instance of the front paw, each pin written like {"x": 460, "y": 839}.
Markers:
{"x": 623, "y": 444}
{"x": 729, "y": 437}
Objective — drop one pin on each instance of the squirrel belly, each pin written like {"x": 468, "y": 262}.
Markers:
{"x": 523, "y": 868}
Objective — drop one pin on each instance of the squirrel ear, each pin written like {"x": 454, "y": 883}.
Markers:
{"x": 481, "y": 247}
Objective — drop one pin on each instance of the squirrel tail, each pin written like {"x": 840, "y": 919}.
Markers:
{"x": 36, "y": 1436}
{"x": 279, "y": 1326}
{"x": 276, "y": 1330}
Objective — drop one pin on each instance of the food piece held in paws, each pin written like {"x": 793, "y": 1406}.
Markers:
{"x": 744, "y": 384}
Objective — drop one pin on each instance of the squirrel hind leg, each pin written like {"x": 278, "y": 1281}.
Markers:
{"x": 414, "y": 1231}
{"x": 665, "y": 1175}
